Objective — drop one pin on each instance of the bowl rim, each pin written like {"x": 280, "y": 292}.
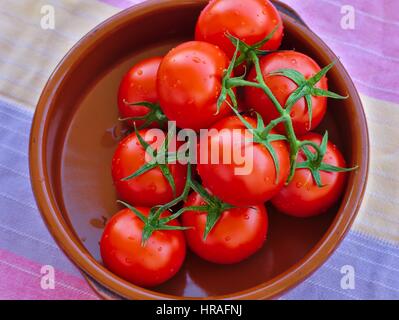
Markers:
{"x": 76, "y": 252}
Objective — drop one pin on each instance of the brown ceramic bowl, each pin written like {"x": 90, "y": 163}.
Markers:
{"x": 75, "y": 132}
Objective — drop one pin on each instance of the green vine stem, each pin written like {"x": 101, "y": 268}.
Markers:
{"x": 305, "y": 90}
{"x": 153, "y": 221}
{"x": 214, "y": 208}
{"x": 159, "y": 159}
{"x": 262, "y": 134}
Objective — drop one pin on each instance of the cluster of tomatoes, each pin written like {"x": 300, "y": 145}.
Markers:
{"x": 204, "y": 84}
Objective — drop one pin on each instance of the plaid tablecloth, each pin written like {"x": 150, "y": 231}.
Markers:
{"x": 367, "y": 44}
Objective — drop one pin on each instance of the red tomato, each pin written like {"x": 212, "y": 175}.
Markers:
{"x": 256, "y": 181}
{"x": 149, "y": 265}
{"x": 282, "y": 87}
{"x": 151, "y": 188}
{"x": 139, "y": 84}
{"x": 190, "y": 82}
{"x": 251, "y": 21}
{"x": 238, "y": 234}
{"x": 302, "y": 197}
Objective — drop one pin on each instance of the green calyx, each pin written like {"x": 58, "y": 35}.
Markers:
{"x": 306, "y": 88}
{"x": 214, "y": 207}
{"x": 155, "y": 114}
{"x": 314, "y": 161}
{"x": 159, "y": 159}
{"x": 262, "y": 135}
{"x": 246, "y": 49}
{"x": 153, "y": 222}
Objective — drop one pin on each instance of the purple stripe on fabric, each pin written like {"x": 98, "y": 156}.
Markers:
{"x": 375, "y": 266}
{"x": 123, "y": 4}
{"x": 369, "y": 52}
{"x": 389, "y": 9}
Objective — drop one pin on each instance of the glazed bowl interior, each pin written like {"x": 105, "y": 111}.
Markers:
{"x": 76, "y": 131}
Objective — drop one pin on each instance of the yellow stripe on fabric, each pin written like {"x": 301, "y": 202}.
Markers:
{"x": 379, "y": 214}
{"x": 28, "y": 54}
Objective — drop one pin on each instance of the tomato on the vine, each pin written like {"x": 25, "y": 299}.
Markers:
{"x": 303, "y": 197}
{"x": 238, "y": 233}
{"x": 282, "y": 87}
{"x": 148, "y": 265}
{"x": 250, "y": 175}
{"x": 189, "y": 84}
{"x": 138, "y": 85}
{"x": 152, "y": 187}
{"x": 251, "y": 21}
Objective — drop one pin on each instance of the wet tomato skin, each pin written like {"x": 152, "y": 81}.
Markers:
{"x": 250, "y": 21}
{"x": 189, "y": 84}
{"x": 151, "y": 188}
{"x": 255, "y": 184}
{"x": 149, "y": 265}
{"x": 137, "y": 85}
{"x": 282, "y": 88}
{"x": 302, "y": 197}
{"x": 239, "y": 233}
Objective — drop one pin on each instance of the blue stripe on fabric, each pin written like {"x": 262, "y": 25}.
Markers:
{"x": 376, "y": 266}
{"x": 23, "y": 232}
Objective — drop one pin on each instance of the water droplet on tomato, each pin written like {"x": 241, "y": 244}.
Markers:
{"x": 299, "y": 184}
{"x": 140, "y": 72}
{"x": 293, "y": 61}
{"x": 196, "y": 60}
{"x": 246, "y": 217}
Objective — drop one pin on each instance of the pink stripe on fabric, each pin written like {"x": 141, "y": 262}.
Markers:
{"x": 20, "y": 279}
